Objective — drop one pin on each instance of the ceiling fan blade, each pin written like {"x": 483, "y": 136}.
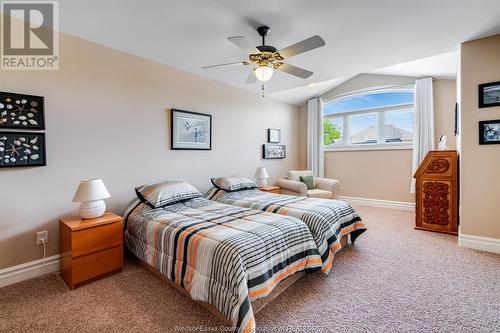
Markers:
{"x": 306, "y": 45}
{"x": 251, "y": 78}
{"x": 294, "y": 70}
{"x": 243, "y": 44}
{"x": 226, "y": 64}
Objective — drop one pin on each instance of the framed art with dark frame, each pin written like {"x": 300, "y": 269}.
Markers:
{"x": 273, "y": 135}
{"x": 272, "y": 151}
{"x": 489, "y": 94}
{"x": 22, "y": 149}
{"x": 489, "y": 132}
{"x": 21, "y": 111}
{"x": 190, "y": 130}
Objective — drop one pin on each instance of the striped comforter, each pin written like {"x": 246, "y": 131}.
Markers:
{"x": 328, "y": 220}
{"x": 224, "y": 255}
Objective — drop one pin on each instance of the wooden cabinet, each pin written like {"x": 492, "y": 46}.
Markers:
{"x": 90, "y": 248}
{"x": 437, "y": 192}
{"x": 270, "y": 189}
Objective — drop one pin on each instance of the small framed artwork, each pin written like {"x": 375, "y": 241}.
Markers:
{"x": 273, "y": 151}
{"x": 191, "y": 130}
{"x": 21, "y": 111}
{"x": 273, "y": 135}
{"x": 489, "y": 94}
{"x": 22, "y": 149}
{"x": 489, "y": 132}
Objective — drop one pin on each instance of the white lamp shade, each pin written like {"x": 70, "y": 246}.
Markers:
{"x": 91, "y": 190}
{"x": 263, "y": 73}
{"x": 261, "y": 173}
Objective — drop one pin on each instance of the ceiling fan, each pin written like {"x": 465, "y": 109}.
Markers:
{"x": 267, "y": 58}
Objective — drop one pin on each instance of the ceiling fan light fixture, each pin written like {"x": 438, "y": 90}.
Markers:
{"x": 263, "y": 73}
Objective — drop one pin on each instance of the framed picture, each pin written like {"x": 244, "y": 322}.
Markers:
{"x": 191, "y": 130}
{"x": 273, "y": 135}
{"x": 21, "y": 111}
{"x": 489, "y": 132}
{"x": 489, "y": 94}
{"x": 22, "y": 149}
{"x": 273, "y": 151}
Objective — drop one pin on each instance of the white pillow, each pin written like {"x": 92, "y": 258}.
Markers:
{"x": 164, "y": 193}
{"x": 233, "y": 183}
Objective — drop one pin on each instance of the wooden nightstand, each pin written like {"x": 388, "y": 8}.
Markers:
{"x": 270, "y": 189}
{"x": 91, "y": 248}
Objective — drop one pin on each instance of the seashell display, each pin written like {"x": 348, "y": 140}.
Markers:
{"x": 8, "y": 100}
{"x": 3, "y": 138}
{"x": 27, "y": 151}
{"x": 33, "y": 122}
{"x": 23, "y": 101}
{"x": 17, "y": 122}
{"x": 22, "y": 118}
{"x": 13, "y": 159}
{"x": 4, "y": 113}
{"x": 34, "y": 156}
{"x": 30, "y": 115}
{"x": 2, "y": 144}
{"x": 17, "y": 142}
{"x": 35, "y": 147}
{"x": 34, "y": 104}
{"x": 33, "y": 141}
{"x": 18, "y": 101}
{"x": 24, "y": 123}
{"x": 22, "y": 139}
{"x": 2, "y": 149}
{"x": 9, "y": 106}
{"x": 2, "y": 106}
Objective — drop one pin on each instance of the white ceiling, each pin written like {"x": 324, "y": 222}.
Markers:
{"x": 360, "y": 35}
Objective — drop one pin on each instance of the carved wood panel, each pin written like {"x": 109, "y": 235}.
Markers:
{"x": 438, "y": 165}
{"x": 435, "y": 203}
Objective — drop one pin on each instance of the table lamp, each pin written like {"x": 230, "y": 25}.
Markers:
{"x": 91, "y": 193}
{"x": 261, "y": 176}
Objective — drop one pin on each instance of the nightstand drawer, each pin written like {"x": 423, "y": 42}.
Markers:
{"x": 95, "y": 239}
{"x": 93, "y": 265}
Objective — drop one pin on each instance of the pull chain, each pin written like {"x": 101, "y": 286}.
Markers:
{"x": 263, "y": 94}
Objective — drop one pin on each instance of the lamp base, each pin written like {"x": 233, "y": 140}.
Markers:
{"x": 92, "y": 209}
{"x": 262, "y": 182}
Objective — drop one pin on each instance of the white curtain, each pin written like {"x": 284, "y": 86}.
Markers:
{"x": 423, "y": 133}
{"x": 315, "y": 137}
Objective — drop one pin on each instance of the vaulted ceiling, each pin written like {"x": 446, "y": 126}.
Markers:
{"x": 361, "y": 35}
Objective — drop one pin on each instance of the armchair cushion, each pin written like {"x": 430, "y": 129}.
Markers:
{"x": 317, "y": 193}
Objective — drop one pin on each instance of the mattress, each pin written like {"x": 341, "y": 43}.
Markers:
{"x": 224, "y": 255}
{"x": 328, "y": 220}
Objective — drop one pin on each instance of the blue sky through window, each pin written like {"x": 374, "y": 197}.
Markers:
{"x": 368, "y": 101}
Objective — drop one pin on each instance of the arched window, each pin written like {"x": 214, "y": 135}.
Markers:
{"x": 377, "y": 119}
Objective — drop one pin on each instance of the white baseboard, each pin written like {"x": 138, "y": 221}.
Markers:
{"x": 410, "y": 206}
{"x": 29, "y": 270}
{"x": 479, "y": 243}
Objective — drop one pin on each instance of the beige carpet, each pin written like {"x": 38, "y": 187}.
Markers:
{"x": 394, "y": 279}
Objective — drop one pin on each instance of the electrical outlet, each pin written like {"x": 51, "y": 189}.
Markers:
{"x": 40, "y": 235}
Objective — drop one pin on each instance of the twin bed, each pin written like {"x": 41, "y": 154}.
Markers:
{"x": 231, "y": 248}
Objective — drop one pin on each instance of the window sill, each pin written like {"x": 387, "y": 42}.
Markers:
{"x": 369, "y": 147}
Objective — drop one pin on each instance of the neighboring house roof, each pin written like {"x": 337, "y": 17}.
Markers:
{"x": 392, "y": 133}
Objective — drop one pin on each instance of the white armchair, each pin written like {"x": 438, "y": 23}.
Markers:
{"x": 325, "y": 187}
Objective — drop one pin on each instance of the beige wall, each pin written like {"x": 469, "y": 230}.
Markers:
{"x": 106, "y": 116}
{"x": 375, "y": 174}
{"x": 445, "y": 97}
{"x": 383, "y": 174}
{"x": 479, "y": 164}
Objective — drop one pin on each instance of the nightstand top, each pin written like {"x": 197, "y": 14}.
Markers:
{"x": 269, "y": 188}
{"x": 77, "y": 223}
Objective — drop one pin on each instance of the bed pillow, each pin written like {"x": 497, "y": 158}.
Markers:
{"x": 309, "y": 181}
{"x": 233, "y": 183}
{"x": 161, "y": 194}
